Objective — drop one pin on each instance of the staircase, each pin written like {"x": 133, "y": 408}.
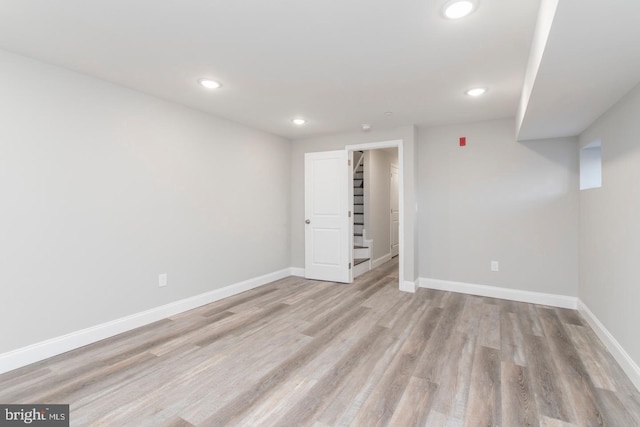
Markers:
{"x": 362, "y": 247}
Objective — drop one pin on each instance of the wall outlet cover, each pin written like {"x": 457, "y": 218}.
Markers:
{"x": 162, "y": 280}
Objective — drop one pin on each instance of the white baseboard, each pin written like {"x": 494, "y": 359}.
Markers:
{"x": 378, "y": 262}
{"x": 361, "y": 268}
{"x": 362, "y": 253}
{"x": 502, "y": 293}
{"x": 297, "y": 271}
{"x": 39, "y": 351}
{"x": 408, "y": 286}
{"x": 622, "y": 357}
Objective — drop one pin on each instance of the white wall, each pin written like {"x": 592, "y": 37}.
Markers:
{"x": 103, "y": 188}
{"x": 497, "y": 199}
{"x": 610, "y": 226}
{"x": 338, "y": 142}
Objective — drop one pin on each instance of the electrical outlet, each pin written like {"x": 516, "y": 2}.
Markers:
{"x": 162, "y": 280}
{"x": 495, "y": 266}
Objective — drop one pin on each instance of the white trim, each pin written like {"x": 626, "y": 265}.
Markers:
{"x": 502, "y": 293}
{"x": 367, "y": 243}
{"x": 374, "y": 145}
{"x": 361, "y": 253}
{"x": 297, "y": 271}
{"x": 399, "y": 144}
{"x": 361, "y": 268}
{"x": 39, "y": 351}
{"x": 408, "y": 286}
{"x": 378, "y": 262}
{"x": 622, "y": 357}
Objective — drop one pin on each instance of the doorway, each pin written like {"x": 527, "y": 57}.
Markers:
{"x": 388, "y": 203}
{"x": 329, "y": 197}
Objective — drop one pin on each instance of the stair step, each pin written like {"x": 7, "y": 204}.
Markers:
{"x": 358, "y": 261}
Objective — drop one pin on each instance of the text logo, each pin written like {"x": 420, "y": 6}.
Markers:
{"x": 34, "y": 415}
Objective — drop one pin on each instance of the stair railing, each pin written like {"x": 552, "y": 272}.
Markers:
{"x": 359, "y": 162}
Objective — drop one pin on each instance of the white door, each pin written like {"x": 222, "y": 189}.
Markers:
{"x": 395, "y": 213}
{"x": 328, "y": 235}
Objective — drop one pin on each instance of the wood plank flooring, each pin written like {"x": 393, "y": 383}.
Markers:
{"x": 305, "y": 353}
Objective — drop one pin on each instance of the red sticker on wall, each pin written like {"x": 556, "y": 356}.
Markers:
{"x": 463, "y": 141}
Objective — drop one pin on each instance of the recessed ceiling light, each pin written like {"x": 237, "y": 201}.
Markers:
{"x": 457, "y": 9}
{"x": 299, "y": 121}
{"x": 209, "y": 84}
{"x": 477, "y": 91}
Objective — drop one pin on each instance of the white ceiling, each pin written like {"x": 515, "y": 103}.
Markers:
{"x": 343, "y": 63}
{"x": 338, "y": 63}
{"x": 591, "y": 60}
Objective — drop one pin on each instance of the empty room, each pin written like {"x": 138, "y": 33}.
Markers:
{"x": 320, "y": 213}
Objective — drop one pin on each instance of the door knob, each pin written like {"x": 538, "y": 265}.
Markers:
{"x": 307, "y": 222}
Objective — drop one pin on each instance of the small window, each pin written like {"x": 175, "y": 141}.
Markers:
{"x": 591, "y": 166}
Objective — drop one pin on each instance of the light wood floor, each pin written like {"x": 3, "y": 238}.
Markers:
{"x": 298, "y": 353}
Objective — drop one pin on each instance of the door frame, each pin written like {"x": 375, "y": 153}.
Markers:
{"x": 396, "y": 143}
